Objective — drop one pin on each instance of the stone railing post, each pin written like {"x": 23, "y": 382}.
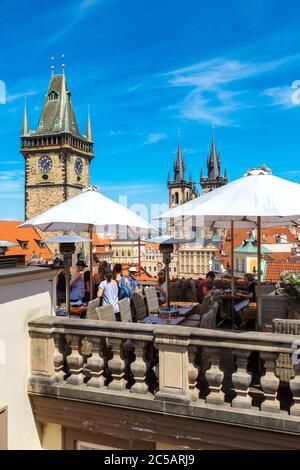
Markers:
{"x": 241, "y": 379}
{"x": 295, "y": 388}
{"x": 193, "y": 372}
{"x": 117, "y": 365}
{"x": 74, "y": 361}
{"x": 58, "y": 358}
{"x": 139, "y": 368}
{"x": 270, "y": 383}
{"x": 95, "y": 363}
{"x": 42, "y": 353}
{"x": 173, "y": 365}
{"x": 214, "y": 377}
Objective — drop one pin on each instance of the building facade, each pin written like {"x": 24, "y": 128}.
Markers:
{"x": 57, "y": 156}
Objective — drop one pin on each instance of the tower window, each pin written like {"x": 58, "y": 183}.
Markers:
{"x": 176, "y": 198}
{"x": 53, "y": 96}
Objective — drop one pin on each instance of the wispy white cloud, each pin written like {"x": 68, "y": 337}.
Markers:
{"x": 76, "y": 14}
{"x": 153, "y": 138}
{"x": 280, "y": 96}
{"x": 216, "y": 91}
{"x": 12, "y": 184}
{"x": 10, "y": 97}
{"x": 131, "y": 189}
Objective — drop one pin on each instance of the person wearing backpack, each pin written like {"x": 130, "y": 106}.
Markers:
{"x": 123, "y": 283}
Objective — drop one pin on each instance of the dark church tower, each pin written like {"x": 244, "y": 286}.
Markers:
{"x": 214, "y": 178}
{"x": 57, "y": 156}
{"x": 180, "y": 189}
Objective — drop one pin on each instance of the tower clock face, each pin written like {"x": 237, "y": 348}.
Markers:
{"x": 45, "y": 164}
{"x": 78, "y": 166}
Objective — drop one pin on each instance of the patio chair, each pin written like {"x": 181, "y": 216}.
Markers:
{"x": 125, "y": 311}
{"x": 140, "y": 309}
{"x": 91, "y": 309}
{"x": 174, "y": 291}
{"x": 188, "y": 291}
{"x": 152, "y": 300}
{"x": 201, "y": 309}
{"x": 208, "y": 320}
{"x": 272, "y": 306}
{"x": 106, "y": 313}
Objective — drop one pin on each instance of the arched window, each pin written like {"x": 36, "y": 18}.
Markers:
{"x": 176, "y": 198}
{"x": 52, "y": 96}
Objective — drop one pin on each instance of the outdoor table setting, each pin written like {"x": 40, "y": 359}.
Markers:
{"x": 174, "y": 315}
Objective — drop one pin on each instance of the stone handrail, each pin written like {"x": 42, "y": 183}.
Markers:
{"x": 189, "y": 371}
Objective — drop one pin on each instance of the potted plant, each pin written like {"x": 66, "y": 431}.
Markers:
{"x": 289, "y": 286}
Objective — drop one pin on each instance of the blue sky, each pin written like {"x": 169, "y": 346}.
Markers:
{"x": 147, "y": 68}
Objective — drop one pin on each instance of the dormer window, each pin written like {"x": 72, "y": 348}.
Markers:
{"x": 23, "y": 244}
{"x": 41, "y": 124}
{"x": 56, "y": 122}
{"x": 53, "y": 96}
{"x": 40, "y": 243}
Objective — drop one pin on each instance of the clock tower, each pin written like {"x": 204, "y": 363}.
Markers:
{"x": 57, "y": 156}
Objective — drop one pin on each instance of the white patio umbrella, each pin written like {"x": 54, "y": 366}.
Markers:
{"x": 255, "y": 200}
{"x": 89, "y": 211}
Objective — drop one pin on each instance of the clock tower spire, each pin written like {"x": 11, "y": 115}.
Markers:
{"x": 57, "y": 156}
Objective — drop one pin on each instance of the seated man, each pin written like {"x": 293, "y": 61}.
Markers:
{"x": 203, "y": 286}
{"x": 248, "y": 294}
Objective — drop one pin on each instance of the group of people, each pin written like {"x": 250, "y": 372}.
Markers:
{"x": 109, "y": 285}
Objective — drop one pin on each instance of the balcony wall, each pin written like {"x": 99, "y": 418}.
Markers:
{"x": 188, "y": 372}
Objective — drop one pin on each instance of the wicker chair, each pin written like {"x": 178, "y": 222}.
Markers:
{"x": 152, "y": 299}
{"x": 91, "y": 310}
{"x": 272, "y": 306}
{"x": 188, "y": 291}
{"x": 140, "y": 309}
{"x": 125, "y": 311}
{"x": 106, "y": 313}
{"x": 201, "y": 309}
{"x": 208, "y": 320}
{"x": 175, "y": 291}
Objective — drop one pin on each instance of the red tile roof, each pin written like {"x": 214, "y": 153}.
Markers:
{"x": 241, "y": 234}
{"x": 10, "y": 232}
{"x": 275, "y": 269}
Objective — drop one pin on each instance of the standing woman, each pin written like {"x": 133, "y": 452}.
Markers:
{"x": 108, "y": 291}
{"x": 77, "y": 283}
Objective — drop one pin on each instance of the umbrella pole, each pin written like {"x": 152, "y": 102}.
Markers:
{"x": 91, "y": 261}
{"x": 259, "y": 271}
{"x": 68, "y": 280}
{"x": 232, "y": 274}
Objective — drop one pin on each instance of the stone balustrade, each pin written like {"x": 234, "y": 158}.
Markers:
{"x": 209, "y": 374}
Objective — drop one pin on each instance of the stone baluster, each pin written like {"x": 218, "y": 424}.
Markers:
{"x": 95, "y": 363}
{"x": 295, "y": 388}
{"x": 270, "y": 383}
{"x": 74, "y": 361}
{"x": 241, "y": 379}
{"x": 117, "y": 365}
{"x": 58, "y": 358}
{"x": 193, "y": 372}
{"x": 214, "y": 377}
{"x": 139, "y": 368}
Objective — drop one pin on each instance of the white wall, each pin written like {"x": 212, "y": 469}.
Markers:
{"x": 21, "y": 299}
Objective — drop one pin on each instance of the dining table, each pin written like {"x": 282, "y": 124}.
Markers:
{"x": 163, "y": 320}
{"x": 184, "y": 309}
